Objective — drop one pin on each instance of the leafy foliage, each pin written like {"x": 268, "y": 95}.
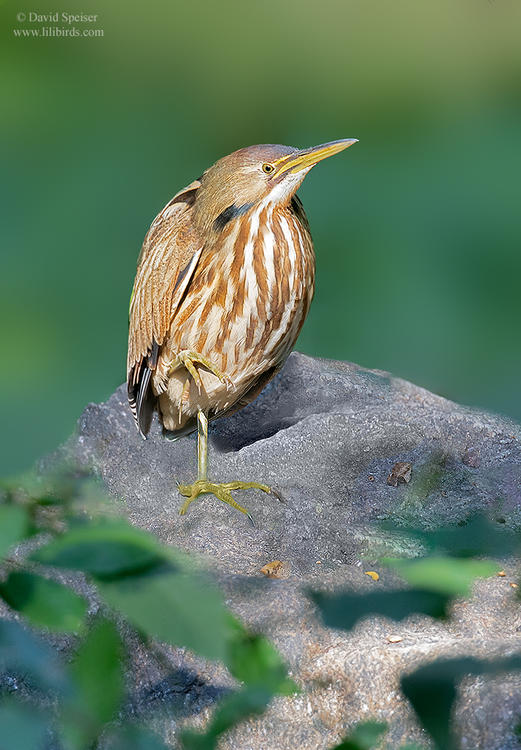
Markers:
{"x": 478, "y": 536}
{"x": 131, "y": 737}
{"x": 155, "y": 589}
{"x": 164, "y": 597}
{"x": 27, "y": 655}
{"x": 156, "y": 602}
{"x": 345, "y": 609}
{"x": 451, "y": 576}
{"x": 432, "y": 690}
{"x": 44, "y": 601}
{"x": 97, "y": 678}
{"x": 435, "y": 580}
{"x": 107, "y": 549}
{"x": 233, "y": 709}
{"x": 363, "y": 737}
{"x": 252, "y": 660}
{"x": 23, "y": 726}
{"x": 14, "y": 526}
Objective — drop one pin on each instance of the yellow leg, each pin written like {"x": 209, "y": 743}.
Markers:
{"x": 190, "y": 360}
{"x": 221, "y": 490}
{"x": 202, "y": 446}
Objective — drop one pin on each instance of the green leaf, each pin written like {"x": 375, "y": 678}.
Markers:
{"x": 253, "y": 660}
{"x": 475, "y": 537}
{"x": 106, "y": 549}
{"x": 97, "y": 685}
{"x": 21, "y": 652}
{"x": 44, "y": 602}
{"x": 363, "y": 737}
{"x": 134, "y": 738}
{"x": 22, "y": 726}
{"x": 448, "y": 575}
{"x": 432, "y": 689}
{"x": 14, "y": 526}
{"x": 174, "y": 607}
{"x": 230, "y": 711}
{"x": 345, "y": 609}
{"x": 256, "y": 662}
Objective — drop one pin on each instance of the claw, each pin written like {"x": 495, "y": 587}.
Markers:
{"x": 189, "y": 359}
{"x": 222, "y": 491}
{"x": 277, "y": 494}
{"x": 189, "y": 364}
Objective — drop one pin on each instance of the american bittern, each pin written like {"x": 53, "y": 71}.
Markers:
{"x": 224, "y": 281}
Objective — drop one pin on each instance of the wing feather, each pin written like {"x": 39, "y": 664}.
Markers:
{"x": 167, "y": 261}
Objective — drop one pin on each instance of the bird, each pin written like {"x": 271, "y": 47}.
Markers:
{"x": 224, "y": 282}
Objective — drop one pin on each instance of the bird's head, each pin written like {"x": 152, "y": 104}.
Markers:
{"x": 266, "y": 173}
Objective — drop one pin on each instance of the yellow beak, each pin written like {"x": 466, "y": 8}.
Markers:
{"x": 308, "y": 157}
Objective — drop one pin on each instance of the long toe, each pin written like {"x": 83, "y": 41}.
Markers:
{"x": 222, "y": 491}
{"x": 248, "y": 486}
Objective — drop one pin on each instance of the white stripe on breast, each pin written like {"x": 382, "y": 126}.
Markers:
{"x": 291, "y": 249}
{"x": 268, "y": 250}
{"x": 252, "y": 288}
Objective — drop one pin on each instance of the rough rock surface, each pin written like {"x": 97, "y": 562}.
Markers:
{"x": 325, "y": 435}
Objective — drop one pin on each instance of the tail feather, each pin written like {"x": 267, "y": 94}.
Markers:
{"x": 141, "y": 398}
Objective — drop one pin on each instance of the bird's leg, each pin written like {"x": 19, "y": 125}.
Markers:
{"x": 202, "y": 446}
{"x": 190, "y": 359}
{"x": 221, "y": 490}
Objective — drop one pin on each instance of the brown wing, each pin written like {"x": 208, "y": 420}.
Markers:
{"x": 168, "y": 258}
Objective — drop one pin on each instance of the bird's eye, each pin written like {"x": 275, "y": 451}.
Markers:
{"x": 268, "y": 168}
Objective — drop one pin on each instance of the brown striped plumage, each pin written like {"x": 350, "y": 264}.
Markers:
{"x": 226, "y": 272}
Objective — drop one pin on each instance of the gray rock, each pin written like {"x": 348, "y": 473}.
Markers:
{"x": 326, "y": 435}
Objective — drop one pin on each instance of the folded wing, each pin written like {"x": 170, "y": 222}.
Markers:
{"x": 168, "y": 259}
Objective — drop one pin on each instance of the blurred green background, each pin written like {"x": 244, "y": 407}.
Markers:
{"x": 416, "y": 228}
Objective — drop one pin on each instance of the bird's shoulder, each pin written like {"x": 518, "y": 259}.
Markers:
{"x": 172, "y": 226}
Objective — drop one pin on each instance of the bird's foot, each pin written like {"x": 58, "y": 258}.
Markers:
{"x": 190, "y": 360}
{"x": 221, "y": 490}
